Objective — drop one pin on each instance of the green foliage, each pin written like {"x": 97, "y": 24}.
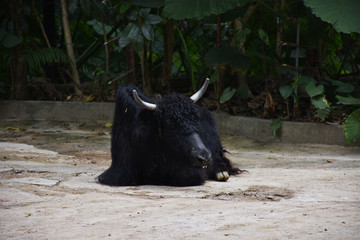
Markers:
{"x": 263, "y": 36}
{"x": 322, "y": 113}
{"x": 276, "y": 126}
{"x": 188, "y": 64}
{"x": 349, "y": 100}
{"x": 286, "y": 91}
{"x": 227, "y": 94}
{"x": 140, "y": 29}
{"x": 320, "y": 102}
{"x": 198, "y": 9}
{"x": 314, "y": 90}
{"x": 36, "y": 60}
{"x": 343, "y": 15}
{"x": 352, "y": 126}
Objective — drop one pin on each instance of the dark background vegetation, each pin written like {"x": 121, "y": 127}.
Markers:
{"x": 276, "y": 59}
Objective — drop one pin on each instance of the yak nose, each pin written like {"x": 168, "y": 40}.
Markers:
{"x": 199, "y": 153}
{"x": 202, "y": 158}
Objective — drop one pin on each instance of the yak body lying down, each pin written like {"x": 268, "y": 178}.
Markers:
{"x": 168, "y": 141}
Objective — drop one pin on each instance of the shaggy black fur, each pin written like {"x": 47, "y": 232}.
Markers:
{"x": 155, "y": 147}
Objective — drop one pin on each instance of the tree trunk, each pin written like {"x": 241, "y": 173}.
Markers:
{"x": 130, "y": 63}
{"x": 168, "y": 55}
{"x": 219, "y": 88}
{"x": 280, "y": 28}
{"x": 69, "y": 47}
{"x": 239, "y": 25}
{"x": 145, "y": 70}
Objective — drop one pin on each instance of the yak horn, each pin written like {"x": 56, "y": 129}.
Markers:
{"x": 143, "y": 104}
{"x": 201, "y": 91}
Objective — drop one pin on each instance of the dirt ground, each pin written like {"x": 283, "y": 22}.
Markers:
{"x": 48, "y": 190}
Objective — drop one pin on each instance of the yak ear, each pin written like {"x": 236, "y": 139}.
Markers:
{"x": 201, "y": 91}
{"x": 142, "y": 103}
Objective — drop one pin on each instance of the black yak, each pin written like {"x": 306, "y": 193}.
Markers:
{"x": 168, "y": 141}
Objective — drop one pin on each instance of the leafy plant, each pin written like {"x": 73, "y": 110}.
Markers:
{"x": 343, "y": 15}
{"x": 140, "y": 29}
{"x": 179, "y": 10}
{"x": 227, "y": 94}
{"x": 37, "y": 59}
{"x": 352, "y": 126}
{"x": 315, "y": 92}
{"x": 275, "y": 126}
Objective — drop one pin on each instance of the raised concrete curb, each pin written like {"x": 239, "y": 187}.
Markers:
{"x": 291, "y": 132}
{"x": 56, "y": 111}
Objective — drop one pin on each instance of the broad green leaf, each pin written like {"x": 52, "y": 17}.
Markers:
{"x": 304, "y": 80}
{"x": 263, "y": 35}
{"x": 97, "y": 26}
{"x": 342, "y": 14}
{"x": 227, "y": 94}
{"x": 227, "y": 55}
{"x": 314, "y": 90}
{"x": 124, "y": 41}
{"x": 144, "y": 12}
{"x": 286, "y": 91}
{"x": 275, "y": 126}
{"x": 153, "y": 19}
{"x": 179, "y": 10}
{"x": 135, "y": 33}
{"x": 348, "y": 100}
{"x": 320, "y": 102}
{"x": 133, "y": 16}
{"x": 343, "y": 87}
{"x": 352, "y": 126}
{"x": 147, "y": 31}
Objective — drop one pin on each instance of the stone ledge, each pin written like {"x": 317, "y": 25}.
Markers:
{"x": 291, "y": 132}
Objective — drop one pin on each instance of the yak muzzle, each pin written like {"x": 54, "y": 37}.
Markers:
{"x": 202, "y": 158}
{"x": 200, "y": 155}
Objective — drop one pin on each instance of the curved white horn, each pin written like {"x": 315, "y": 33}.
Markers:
{"x": 143, "y": 104}
{"x": 201, "y": 91}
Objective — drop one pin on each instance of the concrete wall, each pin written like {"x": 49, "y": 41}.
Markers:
{"x": 61, "y": 111}
{"x": 292, "y": 132}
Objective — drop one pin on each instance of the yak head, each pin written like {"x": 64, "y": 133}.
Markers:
{"x": 179, "y": 127}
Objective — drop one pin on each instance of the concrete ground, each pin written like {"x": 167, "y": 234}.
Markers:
{"x": 48, "y": 190}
